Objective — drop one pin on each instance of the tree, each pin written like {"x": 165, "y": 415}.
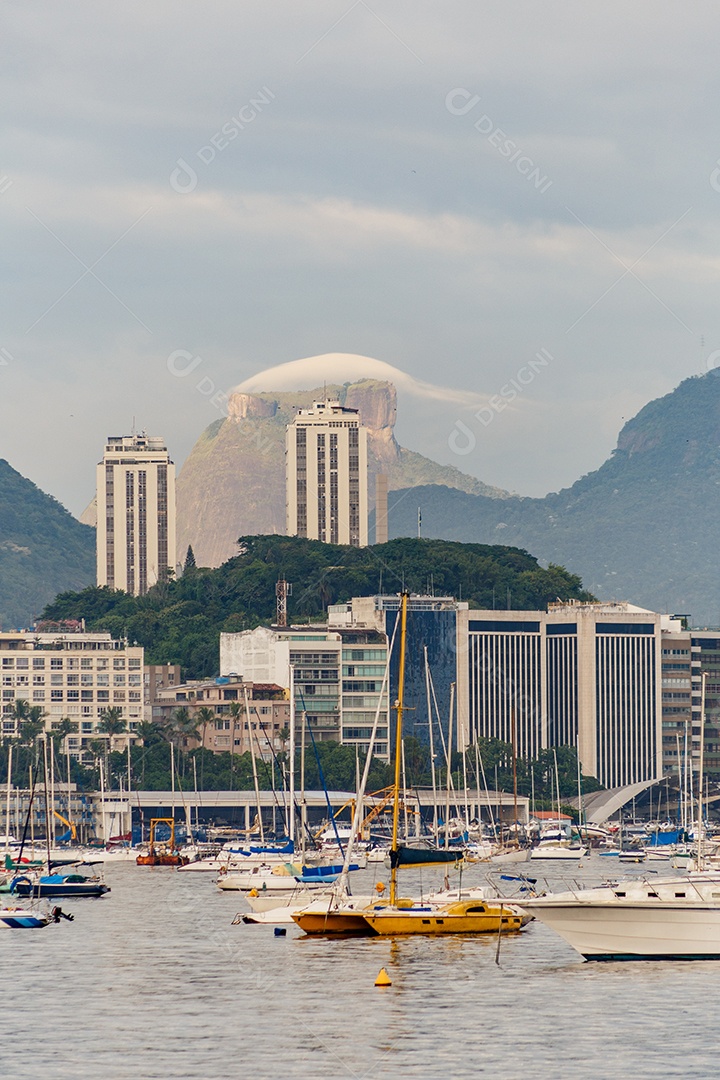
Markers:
{"x": 190, "y": 563}
{"x": 112, "y": 722}
{"x": 182, "y": 726}
{"x": 30, "y": 731}
{"x": 65, "y": 727}
{"x": 205, "y": 716}
{"x": 148, "y": 732}
{"x": 236, "y": 711}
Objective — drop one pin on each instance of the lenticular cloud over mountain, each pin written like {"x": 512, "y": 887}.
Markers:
{"x": 346, "y": 367}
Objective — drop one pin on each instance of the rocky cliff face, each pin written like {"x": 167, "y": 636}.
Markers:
{"x": 233, "y": 482}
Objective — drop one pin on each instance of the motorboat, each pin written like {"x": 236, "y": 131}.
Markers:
{"x": 65, "y": 883}
{"x": 559, "y": 849}
{"x": 268, "y": 878}
{"x": 673, "y": 918}
{"x": 18, "y": 918}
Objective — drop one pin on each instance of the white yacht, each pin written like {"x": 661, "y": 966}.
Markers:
{"x": 673, "y": 918}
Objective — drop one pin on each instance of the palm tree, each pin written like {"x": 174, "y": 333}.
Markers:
{"x": 236, "y": 711}
{"x": 148, "y": 732}
{"x": 183, "y": 726}
{"x": 33, "y": 726}
{"x": 20, "y": 713}
{"x": 205, "y": 716}
{"x": 65, "y": 727}
{"x": 112, "y": 723}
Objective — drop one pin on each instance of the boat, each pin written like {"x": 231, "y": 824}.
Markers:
{"x": 673, "y": 918}
{"x": 417, "y": 855}
{"x": 66, "y": 884}
{"x": 458, "y": 917}
{"x": 510, "y": 855}
{"x": 402, "y": 916}
{"x": 558, "y": 849}
{"x": 17, "y": 918}
{"x": 165, "y": 854}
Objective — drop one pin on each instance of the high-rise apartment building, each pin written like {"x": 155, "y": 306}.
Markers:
{"x": 584, "y": 675}
{"x": 135, "y": 513}
{"x": 326, "y": 475}
{"x": 687, "y": 655}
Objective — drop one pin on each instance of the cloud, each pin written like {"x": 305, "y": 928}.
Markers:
{"x": 311, "y": 371}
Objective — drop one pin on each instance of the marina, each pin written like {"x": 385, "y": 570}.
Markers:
{"x": 161, "y": 953}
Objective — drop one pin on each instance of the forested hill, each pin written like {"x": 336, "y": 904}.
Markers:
{"x": 644, "y": 527}
{"x": 43, "y": 550}
{"x": 180, "y": 621}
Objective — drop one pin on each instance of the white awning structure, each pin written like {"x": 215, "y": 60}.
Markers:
{"x": 601, "y": 805}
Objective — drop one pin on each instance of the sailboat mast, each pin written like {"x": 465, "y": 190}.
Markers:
{"x": 398, "y": 750}
{"x": 701, "y": 769}
{"x": 514, "y": 774}
{"x": 291, "y": 763}
{"x": 448, "y": 777}
{"x": 303, "y": 803}
{"x": 254, "y": 762}
{"x": 432, "y": 743}
{"x": 47, "y": 799}
{"x": 7, "y": 805}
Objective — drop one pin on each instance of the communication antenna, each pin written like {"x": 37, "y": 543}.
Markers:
{"x": 283, "y": 589}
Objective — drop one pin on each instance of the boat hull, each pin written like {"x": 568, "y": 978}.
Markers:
{"x": 333, "y": 922}
{"x": 21, "y": 919}
{"x": 636, "y": 933}
{"x": 558, "y": 853}
{"x": 162, "y": 860}
{"x": 72, "y": 889}
{"x": 468, "y": 918}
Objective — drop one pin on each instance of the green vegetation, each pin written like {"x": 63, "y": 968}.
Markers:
{"x": 180, "y": 621}
{"x": 336, "y": 764}
{"x": 535, "y": 776}
{"x": 43, "y": 549}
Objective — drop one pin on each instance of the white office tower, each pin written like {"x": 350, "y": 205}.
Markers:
{"x": 326, "y": 475}
{"x": 135, "y": 513}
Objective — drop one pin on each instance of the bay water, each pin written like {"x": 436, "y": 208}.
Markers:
{"x": 154, "y": 981}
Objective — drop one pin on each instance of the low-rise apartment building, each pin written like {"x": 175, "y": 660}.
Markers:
{"x": 262, "y": 731}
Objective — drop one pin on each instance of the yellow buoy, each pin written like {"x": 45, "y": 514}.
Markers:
{"x": 383, "y": 978}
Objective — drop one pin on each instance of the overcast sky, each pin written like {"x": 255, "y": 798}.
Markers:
{"x": 507, "y": 199}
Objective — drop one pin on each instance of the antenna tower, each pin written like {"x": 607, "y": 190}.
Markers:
{"x": 283, "y": 589}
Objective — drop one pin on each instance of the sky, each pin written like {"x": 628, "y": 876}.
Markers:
{"x": 517, "y": 203}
